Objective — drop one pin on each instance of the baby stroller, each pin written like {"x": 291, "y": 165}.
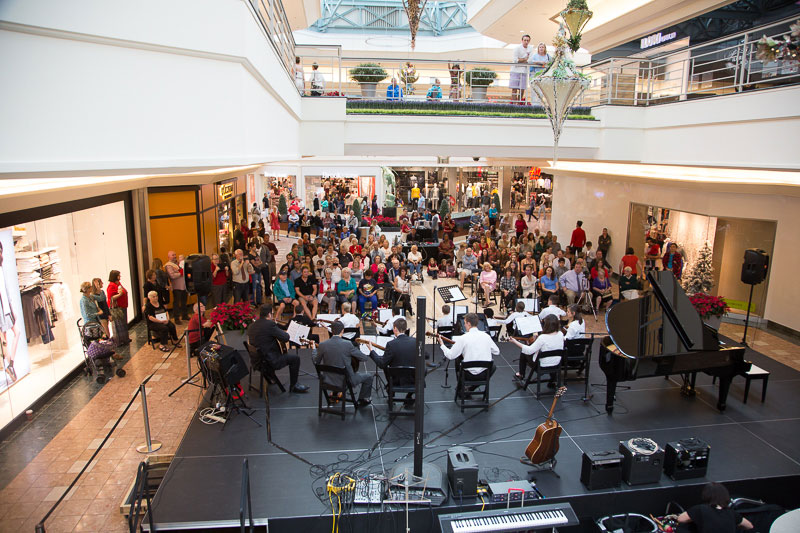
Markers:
{"x": 98, "y": 352}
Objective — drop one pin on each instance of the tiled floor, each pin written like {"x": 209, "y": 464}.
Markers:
{"x": 39, "y": 461}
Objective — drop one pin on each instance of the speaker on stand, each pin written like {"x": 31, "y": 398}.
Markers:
{"x": 754, "y": 271}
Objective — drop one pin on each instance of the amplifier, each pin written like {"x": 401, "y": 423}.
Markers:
{"x": 601, "y": 470}
{"x": 224, "y": 363}
{"x": 686, "y": 458}
{"x": 642, "y": 461}
{"x": 513, "y": 491}
{"x": 462, "y": 471}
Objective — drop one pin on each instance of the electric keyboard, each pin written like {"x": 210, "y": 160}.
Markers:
{"x": 516, "y": 519}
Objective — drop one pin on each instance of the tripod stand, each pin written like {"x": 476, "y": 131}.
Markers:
{"x": 586, "y": 296}
{"x": 192, "y": 378}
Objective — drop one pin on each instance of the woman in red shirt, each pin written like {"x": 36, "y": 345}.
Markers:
{"x": 631, "y": 260}
{"x": 275, "y": 224}
{"x": 219, "y": 280}
{"x": 520, "y": 226}
{"x": 599, "y": 265}
{"x": 118, "y": 299}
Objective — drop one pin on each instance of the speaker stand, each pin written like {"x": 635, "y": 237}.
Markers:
{"x": 747, "y": 318}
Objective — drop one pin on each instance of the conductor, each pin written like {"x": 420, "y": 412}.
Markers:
{"x": 339, "y": 352}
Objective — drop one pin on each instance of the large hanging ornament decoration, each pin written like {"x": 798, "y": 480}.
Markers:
{"x": 414, "y": 9}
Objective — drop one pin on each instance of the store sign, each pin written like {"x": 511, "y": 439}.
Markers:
{"x": 535, "y": 172}
{"x": 656, "y": 38}
{"x": 326, "y": 175}
{"x": 226, "y": 191}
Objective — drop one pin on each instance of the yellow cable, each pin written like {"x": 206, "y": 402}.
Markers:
{"x": 483, "y": 502}
{"x": 330, "y": 498}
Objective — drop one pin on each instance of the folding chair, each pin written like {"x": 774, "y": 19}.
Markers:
{"x": 261, "y": 365}
{"x": 330, "y": 390}
{"x": 404, "y": 375}
{"x": 539, "y": 371}
{"x": 577, "y": 356}
{"x": 480, "y": 387}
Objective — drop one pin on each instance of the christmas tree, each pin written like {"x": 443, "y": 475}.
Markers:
{"x": 357, "y": 208}
{"x": 496, "y": 201}
{"x": 444, "y": 207}
{"x": 282, "y": 207}
{"x": 700, "y": 277}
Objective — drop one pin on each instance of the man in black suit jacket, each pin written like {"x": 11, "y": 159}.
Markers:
{"x": 339, "y": 352}
{"x": 264, "y": 334}
{"x": 400, "y": 351}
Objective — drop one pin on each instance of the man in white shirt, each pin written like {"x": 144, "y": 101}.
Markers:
{"x": 573, "y": 282}
{"x": 317, "y": 81}
{"x": 552, "y": 308}
{"x": 518, "y": 312}
{"x": 519, "y": 72}
{"x": 447, "y": 319}
{"x": 348, "y": 320}
{"x": 474, "y": 345}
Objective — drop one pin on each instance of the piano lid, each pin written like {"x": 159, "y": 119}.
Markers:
{"x": 662, "y": 322}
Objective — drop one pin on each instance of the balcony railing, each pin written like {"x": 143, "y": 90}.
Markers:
{"x": 275, "y": 24}
{"x": 720, "y": 67}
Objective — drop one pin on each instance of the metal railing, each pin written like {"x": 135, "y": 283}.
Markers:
{"x": 388, "y": 15}
{"x": 720, "y": 67}
{"x": 275, "y": 24}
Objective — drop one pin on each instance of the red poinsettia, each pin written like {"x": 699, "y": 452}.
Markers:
{"x": 384, "y": 222}
{"x": 233, "y": 316}
{"x": 707, "y": 305}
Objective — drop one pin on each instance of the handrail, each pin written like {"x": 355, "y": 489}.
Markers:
{"x": 245, "y": 503}
{"x": 141, "y": 491}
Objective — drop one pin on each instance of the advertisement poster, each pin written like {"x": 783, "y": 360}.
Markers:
{"x": 13, "y": 346}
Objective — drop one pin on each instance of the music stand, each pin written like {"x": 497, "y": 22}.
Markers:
{"x": 450, "y": 295}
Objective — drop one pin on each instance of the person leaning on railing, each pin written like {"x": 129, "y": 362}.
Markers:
{"x": 435, "y": 92}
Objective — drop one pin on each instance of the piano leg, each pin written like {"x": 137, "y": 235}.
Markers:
{"x": 611, "y": 392}
{"x": 724, "y": 387}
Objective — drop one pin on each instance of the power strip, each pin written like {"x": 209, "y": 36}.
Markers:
{"x": 216, "y": 418}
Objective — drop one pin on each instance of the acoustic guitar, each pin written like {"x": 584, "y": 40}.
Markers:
{"x": 437, "y": 336}
{"x": 544, "y": 445}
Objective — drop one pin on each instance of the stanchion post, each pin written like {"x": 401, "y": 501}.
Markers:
{"x": 150, "y": 445}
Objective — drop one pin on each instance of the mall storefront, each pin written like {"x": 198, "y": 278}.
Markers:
{"x": 47, "y": 252}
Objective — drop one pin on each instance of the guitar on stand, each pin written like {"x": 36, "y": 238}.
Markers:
{"x": 542, "y": 450}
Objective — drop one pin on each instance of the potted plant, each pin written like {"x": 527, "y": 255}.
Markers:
{"x": 234, "y": 319}
{"x": 710, "y": 308}
{"x": 368, "y": 75}
{"x": 479, "y": 80}
{"x": 283, "y": 209}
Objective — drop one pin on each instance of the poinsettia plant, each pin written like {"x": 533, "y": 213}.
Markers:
{"x": 707, "y": 305}
{"x": 383, "y": 222}
{"x": 233, "y": 316}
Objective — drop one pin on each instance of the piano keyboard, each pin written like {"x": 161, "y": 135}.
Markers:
{"x": 518, "y": 519}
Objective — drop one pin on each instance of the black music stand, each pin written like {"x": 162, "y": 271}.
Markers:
{"x": 450, "y": 295}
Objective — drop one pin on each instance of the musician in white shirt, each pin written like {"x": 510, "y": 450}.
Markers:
{"x": 474, "y": 345}
{"x": 552, "y": 308}
{"x": 388, "y": 328}
{"x": 348, "y": 320}
{"x": 447, "y": 319}
{"x": 576, "y": 327}
{"x": 549, "y": 339}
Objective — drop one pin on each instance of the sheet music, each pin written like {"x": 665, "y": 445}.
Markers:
{"x": 162, "y": 316}
{"x": 452, "y": 294}
{"x": 384, "y": 315}
{"x": 297, "y": 332}
{"x": 527, "y": 325}
{"x": 366, "y": 348}
{"x": 327, "y": 316}
{"x": 461, "y": 309}
{"x": 492, "y": 322}
{"x": 531, "y": 304}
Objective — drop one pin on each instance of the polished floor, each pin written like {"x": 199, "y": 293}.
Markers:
{"x": 40, "y": 460}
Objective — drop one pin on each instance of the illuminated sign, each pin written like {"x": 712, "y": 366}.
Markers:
{"x": 656, "y": 38}
{"x": 225, "y": 191}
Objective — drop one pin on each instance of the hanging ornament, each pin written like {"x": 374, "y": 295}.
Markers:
{"x": 575, "y": 16}
{"x": 414, "y": 10}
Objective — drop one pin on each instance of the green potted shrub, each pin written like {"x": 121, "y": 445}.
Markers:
{"x": 368, "y": 76}
{"x": 479, "y": 80}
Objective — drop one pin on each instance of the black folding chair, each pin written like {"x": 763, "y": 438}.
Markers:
{"x": 342, "y": 393}
{"x": 553, "y": 371}
{"x": 467, "y": 390}
{"x": 577, "y": 356}
{"x": 261, "y": 365}
{"x": 356, "y": 334}
{"x": 399, "y": 384}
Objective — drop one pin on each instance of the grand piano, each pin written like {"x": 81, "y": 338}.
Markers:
{"x": 661, "y": 334}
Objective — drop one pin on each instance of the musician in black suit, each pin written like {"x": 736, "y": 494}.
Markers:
{"x": 339, "y": 352}
{"x": 264, "y": 334}
{"x": 400, "y": 351}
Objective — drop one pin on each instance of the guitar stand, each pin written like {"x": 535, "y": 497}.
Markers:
{"x": 547, "y": 466}
{"x": 446, "y": 375}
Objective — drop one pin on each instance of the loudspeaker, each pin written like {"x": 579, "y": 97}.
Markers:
{"x": 601, "y": 470}
{"x": 197, "y": 273}
{"x": 686, "y": 458}
{"x": 462, "y": 471}
{"x": 642, "y": 461}
{"x": 225, "y": 363}
{"x": 755, "y": 266}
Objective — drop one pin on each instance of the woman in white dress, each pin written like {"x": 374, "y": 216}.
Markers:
{"x": 299, "y": 77}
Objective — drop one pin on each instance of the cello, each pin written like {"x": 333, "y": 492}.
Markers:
{"x": 544, "y": 445}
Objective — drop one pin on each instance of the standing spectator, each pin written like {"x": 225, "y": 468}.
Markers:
{"x": 255, "y": 260}
{"x": 455, "y": 80}
{"x": 275, "y": 224}
{"x": 632, "y": 261}
{"x": 90, "y": 311}
{"x": 299, "y": 77}
{"x": 673, "y": 261}
{"x": 604, "y": 243}
{"x": 519, "y": 72}
{"x": 265, "y": 202}
{"x": 175, "y": 273}
{"x": 578, "y": 239}
{"x": 118, "y": 303}
{"x": 317, "y": 81}
{"x": 539, "y": 60}
{"x": 520, "y": 226}
{"x": 240, "y": 273}
{"x": 219, "y": 280}
{"x": 102, "y": 304}
{"x": 162, "y": 281}
{"x": 255, "y": 213}
{"x": 394, "y": 91}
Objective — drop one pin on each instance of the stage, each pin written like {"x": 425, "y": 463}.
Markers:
{"x": 754, "y": 446}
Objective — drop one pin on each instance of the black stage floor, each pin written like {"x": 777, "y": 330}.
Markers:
{"x": 749, "y": 442}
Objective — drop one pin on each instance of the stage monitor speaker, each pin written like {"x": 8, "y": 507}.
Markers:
{"x": 686, "y": 458}
{"x": 601, "y": 470}
{"x": 755, "y": 266}
{"x": 197, "y": 273}
{"x": 225, "y": 362}
{"x": 462, "y": 471}
{"x": 642, "y": 461}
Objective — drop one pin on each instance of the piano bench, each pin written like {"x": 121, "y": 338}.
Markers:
{"x": 754, "y": 373}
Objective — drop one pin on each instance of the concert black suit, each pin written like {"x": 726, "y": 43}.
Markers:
{"x": 401, "y": 351}
{"x": 264, "y": 335}
{"x": 339, "y": 352}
